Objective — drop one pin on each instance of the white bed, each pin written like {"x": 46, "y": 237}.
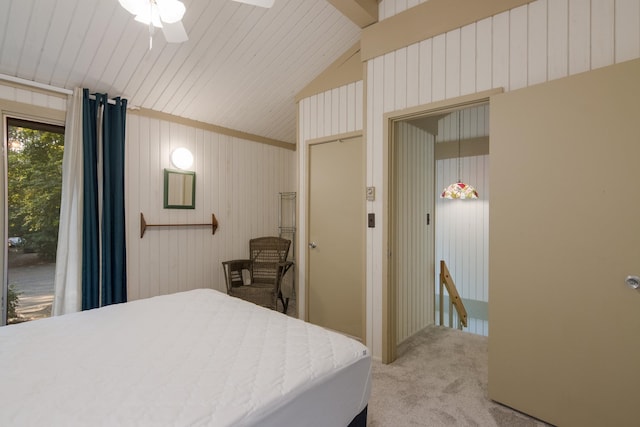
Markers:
{"x": 196, "y": 358}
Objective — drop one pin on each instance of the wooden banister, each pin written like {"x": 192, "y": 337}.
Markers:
{"x": 454, "y": 298}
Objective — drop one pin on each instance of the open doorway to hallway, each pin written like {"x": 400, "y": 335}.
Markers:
{"x": 430, "y": 152}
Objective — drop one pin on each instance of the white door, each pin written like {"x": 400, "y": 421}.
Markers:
{"x": 336, "y": 283}
{"x": 564, "y": 344}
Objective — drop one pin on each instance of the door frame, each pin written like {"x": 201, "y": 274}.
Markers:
{"x": 389, "y": 288}
{"x": 19, "y": 110}
{"x": 307, "y": 161}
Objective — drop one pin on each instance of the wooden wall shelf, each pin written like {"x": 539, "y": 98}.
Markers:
{"x": 144, "y": 225}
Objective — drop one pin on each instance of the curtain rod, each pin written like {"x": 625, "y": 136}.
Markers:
{"x": 47, "y": 87}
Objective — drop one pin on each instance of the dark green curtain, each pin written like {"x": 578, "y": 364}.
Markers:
{"x": 90, "y": 222}
{"x": 104, "y": 240}
{"x": 114, "y": 265}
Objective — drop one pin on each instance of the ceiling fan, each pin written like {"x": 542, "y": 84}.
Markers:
{"x": 167, "y": 15}
{"x": 261, "y": 3}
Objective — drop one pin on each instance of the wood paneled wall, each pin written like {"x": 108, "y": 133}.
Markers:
{"x": 415, "y": 304}
{"x": 389, "y": 8}
{"x": 531, "y": 44}
{"x": 237, "y": 180}
{"x": 332, "y": 113}
{"x": 33, "y": 97}
{"x": 414, "y": 252}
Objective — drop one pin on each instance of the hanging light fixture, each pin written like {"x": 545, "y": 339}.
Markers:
{"x": 165, "y": 14}
{"x": 459, "y": 190}
{"x": 155, "y": 11}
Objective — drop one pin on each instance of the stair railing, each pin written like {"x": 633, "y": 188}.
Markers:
{"x": 446, "y": 281}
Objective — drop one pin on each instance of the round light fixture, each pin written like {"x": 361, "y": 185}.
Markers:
{"x": 182, "y": 158}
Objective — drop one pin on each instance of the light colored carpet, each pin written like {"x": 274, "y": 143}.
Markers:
{"x": 439, "y": 379}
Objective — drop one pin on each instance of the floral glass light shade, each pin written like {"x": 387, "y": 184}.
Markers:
{"x": 459, "y": 190}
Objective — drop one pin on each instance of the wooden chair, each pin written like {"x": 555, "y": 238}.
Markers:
{"x": 265, "y": 269}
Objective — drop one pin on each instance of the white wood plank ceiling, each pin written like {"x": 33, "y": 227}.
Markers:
{"x": 240, "y": 69}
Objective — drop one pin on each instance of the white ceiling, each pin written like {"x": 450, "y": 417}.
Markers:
{"x": 240, "y": 69}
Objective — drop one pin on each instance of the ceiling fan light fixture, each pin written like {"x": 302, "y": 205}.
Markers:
{"x": 260, "y": 3}
{"x": 153, "y": 17}
{"x": 134, "y": 7}
{"x": 171, "y": 11}
{"x": 155, "y": 11}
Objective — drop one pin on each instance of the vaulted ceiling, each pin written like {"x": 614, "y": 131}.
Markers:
{"x": 240, "y": 69}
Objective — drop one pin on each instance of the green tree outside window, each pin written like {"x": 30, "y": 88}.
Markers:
{"x": 35, "y": 186}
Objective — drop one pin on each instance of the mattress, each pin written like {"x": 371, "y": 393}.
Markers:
{"x": 196, "y": 358}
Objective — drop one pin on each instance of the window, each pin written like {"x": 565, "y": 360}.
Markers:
{"x": 34, "y": 183}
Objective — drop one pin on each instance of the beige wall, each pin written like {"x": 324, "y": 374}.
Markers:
{"x": 236, "y": 179}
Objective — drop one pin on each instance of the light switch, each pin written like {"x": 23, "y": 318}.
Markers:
{"x": 371, "y": 220}
{"x": 371, "y": 194}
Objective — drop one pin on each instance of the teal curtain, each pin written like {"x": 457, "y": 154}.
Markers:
{"x": 103, "y": 238}
{"x": 114, "y": 265}
{"x": 90, "y": 223}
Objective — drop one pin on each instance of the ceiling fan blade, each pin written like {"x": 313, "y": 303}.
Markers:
{"x": 175, "y": 32}
{"x": 261, "y": 3}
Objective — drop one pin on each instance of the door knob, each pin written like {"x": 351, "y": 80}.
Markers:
{"x": 313, "y": 245}
{"x": 633, "y": 282}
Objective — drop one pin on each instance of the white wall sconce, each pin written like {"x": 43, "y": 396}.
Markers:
{"x": 182, "y": 158}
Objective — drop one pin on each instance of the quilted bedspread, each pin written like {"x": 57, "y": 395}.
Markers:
{"x": 188, "y": 359}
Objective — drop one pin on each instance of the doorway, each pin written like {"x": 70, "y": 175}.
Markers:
{"x": 457, "y": 231}
{"x": 462, "y": 226}
{"x": 34, "y": 182}
{"x": 336, "y": 230}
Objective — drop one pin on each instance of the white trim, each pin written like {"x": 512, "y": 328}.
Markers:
{"x": 36, "y": 85}
{"x": 50, "y": 88}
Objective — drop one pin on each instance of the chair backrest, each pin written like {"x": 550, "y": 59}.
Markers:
{"x": 266, "y": 253}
